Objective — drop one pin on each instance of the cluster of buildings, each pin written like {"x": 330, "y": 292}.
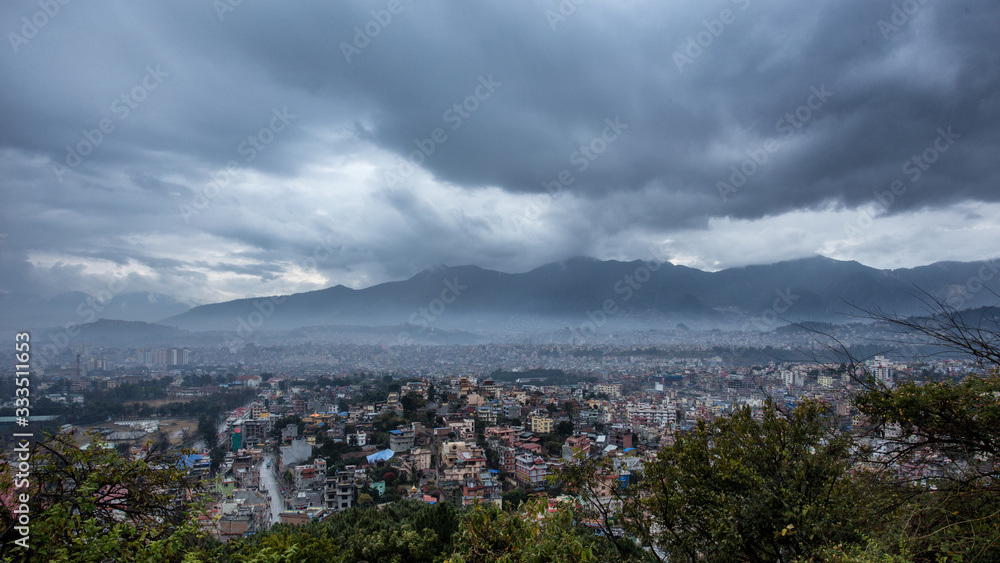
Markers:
{"x": 162, "y": 357}
{"x": 450, "y": 429}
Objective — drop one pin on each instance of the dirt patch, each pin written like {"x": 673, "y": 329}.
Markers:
{"x": 177, "y": 430}
{"x": 163, "y": 401}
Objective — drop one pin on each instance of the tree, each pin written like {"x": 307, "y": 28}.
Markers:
{"x": 207, "y": 428}
{"x": 564, "y": 429}
{"x": 553, "y": 447}
{"x": 403, "y": 531}
{"x": 532, "y": 533}
{"x": 216, "y": 456}
{"x": 411, "y": 402}
{"x": 386, "y": 422}
{"x": 941, "y": 438}
{"x": 513, "y": 498}
{"x": 281, "y": 423}
{"x": 739, "y": 489}
{"x": 947, "y": 434}
{"x": 94, "y": 504}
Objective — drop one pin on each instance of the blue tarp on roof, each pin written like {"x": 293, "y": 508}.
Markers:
{"x": 191, "y": 460}
{"x": 395, "y": 432}
{"x": 383, "y": 455}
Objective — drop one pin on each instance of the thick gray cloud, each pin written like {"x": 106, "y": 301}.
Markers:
{"x": 670, "y": 124}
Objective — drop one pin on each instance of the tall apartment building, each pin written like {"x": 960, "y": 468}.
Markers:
{"x": 652, "y": 415}
{"x": 507, "y": 457}
{"x": 530, "y": 471}
{"x": 340, "y": 490}
{"x": 541, "y": 424}
{"x": 484, "y": 487}
{"x": 881, "y": 369}
{"x": 177, "y": 357}
{"x": 610, "y": 389}
{"x": 401, "y": 439}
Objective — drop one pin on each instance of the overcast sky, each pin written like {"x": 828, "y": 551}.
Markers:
{"x": 210, "y": 151}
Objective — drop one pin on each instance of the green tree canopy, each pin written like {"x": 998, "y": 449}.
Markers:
{"x": 529, "y": 534}
{"x": 740, "y": 488}
{"x": 94, "y": 504}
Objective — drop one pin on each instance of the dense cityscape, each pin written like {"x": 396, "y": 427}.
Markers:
{"x": 321, "y": 429}
{"x": 394, "y": 281}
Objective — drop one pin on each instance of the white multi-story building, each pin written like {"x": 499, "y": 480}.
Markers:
{"x": 401, "y": 439}
{"x": 881, "y": 369}
{"x": 610, "y": 389}
{"x": 530, "y": 470}
{"x": 646, "y": 414}
{"x": 340, "y": 490}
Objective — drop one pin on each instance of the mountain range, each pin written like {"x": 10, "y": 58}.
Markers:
{"x": 575, "y": 293}
{"x": 579, "y": 291}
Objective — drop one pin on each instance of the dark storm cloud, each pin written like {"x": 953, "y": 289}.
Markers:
{"x": 558, "y": 86}
{"x": 649, "y": 107}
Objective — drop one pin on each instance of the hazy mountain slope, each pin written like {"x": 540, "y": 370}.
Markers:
{"x": 813, "y": 288}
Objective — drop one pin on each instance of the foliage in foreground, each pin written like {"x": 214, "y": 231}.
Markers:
{"x": 953, "y": 428}
{"x": 410, "y": 531}
{"x": 403, "y": 531}
{"x": 740, "y": 489}
{"x": 87, "y": 504}
{"x": 531, "y": 534}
